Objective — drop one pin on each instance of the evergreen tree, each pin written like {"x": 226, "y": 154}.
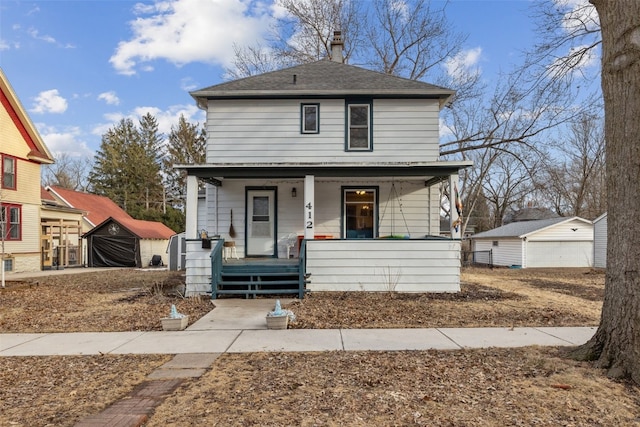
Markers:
{"x": 149, "y": 157}
{"x": 127, "y": 168}
{"x": 186, "y": 145}
{"x": 111, "y": 175}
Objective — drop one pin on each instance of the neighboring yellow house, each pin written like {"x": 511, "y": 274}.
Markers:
{"x": 22, "y": 152}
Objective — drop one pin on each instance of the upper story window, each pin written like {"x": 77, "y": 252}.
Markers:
{"x": 10, "y": 222}
{"x": 310, "y": 118}
{"x": 8, "y": 172}
{"x": 359, "y": 126}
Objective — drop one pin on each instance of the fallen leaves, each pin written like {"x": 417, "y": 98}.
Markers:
{"x": 113, "y": 301}
{"x": 487, "y": 387}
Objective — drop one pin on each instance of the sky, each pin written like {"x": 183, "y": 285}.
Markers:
{"x": 80, "y": 66}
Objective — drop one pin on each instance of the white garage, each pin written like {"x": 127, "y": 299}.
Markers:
{"x": 555, "y": 242}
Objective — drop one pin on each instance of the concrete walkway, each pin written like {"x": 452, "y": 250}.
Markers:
{"x": 239, "y": 326}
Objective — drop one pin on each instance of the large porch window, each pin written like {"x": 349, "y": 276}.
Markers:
{"x": 360, "y": 206}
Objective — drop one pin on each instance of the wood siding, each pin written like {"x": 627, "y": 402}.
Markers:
{"x": 600, "y": 242}
{"x": 359, "y": 265}
{"x": 404, "y": 208}
{"x": 383, "y": 266}
{"x": 565, "y": 232}
{"x": 507, "y": 253}
{"x": 246, "y": 131}
{"x": 151, "y": 247}
{"x": 198, "y": 266}
{"x": 27, "y": 250}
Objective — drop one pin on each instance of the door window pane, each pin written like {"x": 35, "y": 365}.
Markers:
{"x": 261, "y": 208}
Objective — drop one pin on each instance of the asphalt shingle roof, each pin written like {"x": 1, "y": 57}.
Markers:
{"x": 99, "y": 209}
{"x": 321, "y": 78}
{"x": 519, "y": 229}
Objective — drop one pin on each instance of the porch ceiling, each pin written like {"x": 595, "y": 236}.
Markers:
{"x": 426, "y": 170}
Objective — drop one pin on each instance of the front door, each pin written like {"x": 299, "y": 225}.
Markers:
{"x": 261, "y": 223}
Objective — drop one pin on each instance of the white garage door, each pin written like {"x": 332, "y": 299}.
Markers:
{"x": 559, "y": 254}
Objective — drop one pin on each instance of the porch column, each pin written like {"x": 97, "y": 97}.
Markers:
{"x": 455, "y": 208}
{"x": 309, "y": 206}
{"x": 191, "y": 231}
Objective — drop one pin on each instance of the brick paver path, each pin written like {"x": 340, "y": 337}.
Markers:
{"x": 135, "y": 409}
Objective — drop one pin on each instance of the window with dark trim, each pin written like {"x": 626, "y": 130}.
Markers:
{"x": 8, "y": 172}
{"x": 11, "y": 221}
{"x": 360, "y": 207}
{"x": 310, "y": 118}
{"x": 358, "y": 132}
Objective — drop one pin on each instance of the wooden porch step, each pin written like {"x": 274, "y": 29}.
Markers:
{"x": 257, "y": 292}
{"x": 258, "y": 269}
{"x": 259, "y": 283}
{"x": 251, "y": 279}
{"x": 259, "y": 274}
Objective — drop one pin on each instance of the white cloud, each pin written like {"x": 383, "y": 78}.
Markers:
{"x": 183, "y": 31}
{"x": 169, "y": 117}
{"x": 166, "y": 118}
{"x": 49, "y": 101}
{"x": 187, "y": 84}
{"x": 109, "y": 97}
{"x": 36, "y": 35}
{"x": 67, "y": 141}
{"x": 4, "y": 45}
{"x": 579, "y": 15}
{"x": 463, "y": 63}
{"x": 578, "y": 58}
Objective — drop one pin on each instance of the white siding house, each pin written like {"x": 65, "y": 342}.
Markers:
{"x": 343, "y": 157}
{"x": 555, "y": 242}
{"x": 600, "y": 241}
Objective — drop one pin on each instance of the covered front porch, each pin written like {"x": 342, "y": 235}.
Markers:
{"x": 372, "y": 228}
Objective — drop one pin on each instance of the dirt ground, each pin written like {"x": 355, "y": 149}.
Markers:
{"x": 488, "y": 387}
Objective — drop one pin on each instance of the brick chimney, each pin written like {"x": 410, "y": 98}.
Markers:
{"x": 337, "y": 46}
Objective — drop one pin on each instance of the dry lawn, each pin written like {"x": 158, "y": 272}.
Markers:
{"x": 489, "y": 387}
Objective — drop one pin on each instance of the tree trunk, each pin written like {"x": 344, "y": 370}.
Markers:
{"x": 616, "y": 344}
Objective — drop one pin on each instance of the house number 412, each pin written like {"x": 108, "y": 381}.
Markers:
{"x": 309, "y": 220}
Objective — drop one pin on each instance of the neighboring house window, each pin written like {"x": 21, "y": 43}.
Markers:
{"x": 310, "y": 120}
{"x": 494, "y": 243}
{"x": 10, "y": 221}
{"x": 358, "y": 126}
{"x": 8, "y": 264}
{"x": 8, "y": 172}
{"x": 360, "y": 213}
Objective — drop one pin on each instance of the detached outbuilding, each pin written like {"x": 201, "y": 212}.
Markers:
{"x": 126, "y": 242}
{"x": 555, "y": 242}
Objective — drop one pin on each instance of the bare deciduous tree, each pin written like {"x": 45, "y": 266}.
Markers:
{"x": 68, "y": 172}
{"x": 572, "y": 181}
{"x": 415, "y": 40}
{"x": 509, "y": 183}
{"x": 616, "y": 344}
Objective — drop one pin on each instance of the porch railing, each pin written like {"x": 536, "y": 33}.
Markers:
{"x": 216, "y": 266}
{"x": 251, "y": 279}
{"x": 302, "y": 269}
